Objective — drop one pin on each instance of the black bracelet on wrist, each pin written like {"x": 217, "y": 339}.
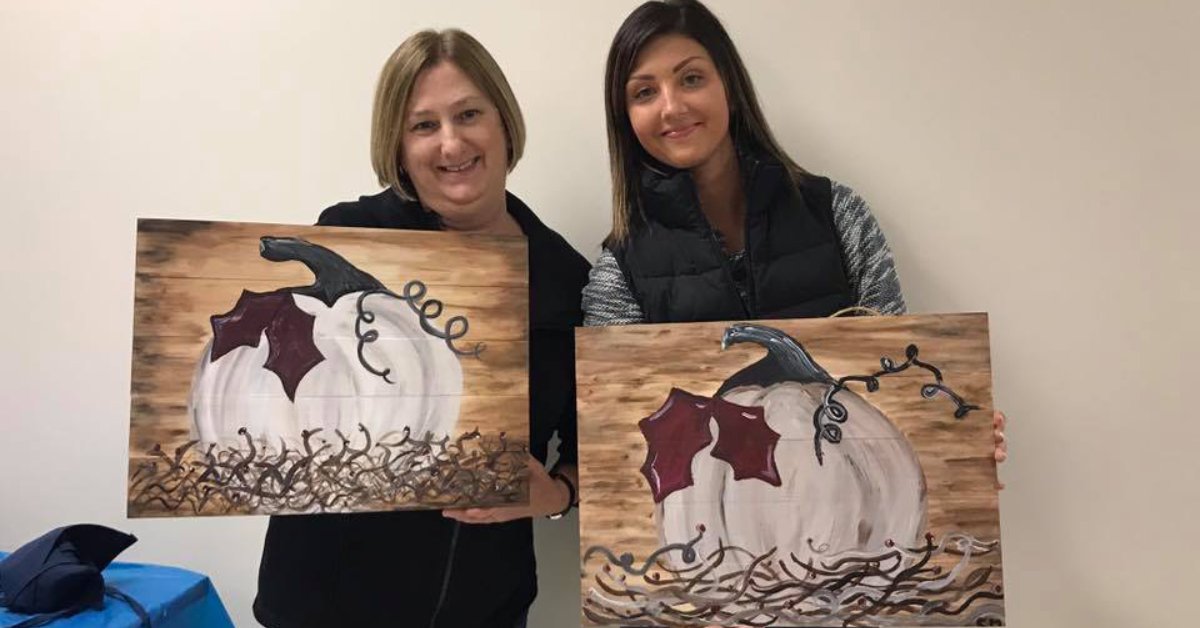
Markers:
{"x": 554, "y": 474}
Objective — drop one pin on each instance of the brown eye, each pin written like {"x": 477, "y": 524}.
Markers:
{"x": 641, "y": 94}
{"x": 423, "y": 126}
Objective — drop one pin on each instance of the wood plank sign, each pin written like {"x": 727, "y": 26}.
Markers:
{"x": 284, "y": 369}
{"x": 818, "y": 472}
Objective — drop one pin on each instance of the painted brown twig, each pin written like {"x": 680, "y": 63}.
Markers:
{"x": 394, "y": 471}
{"x": 898, "y": 586}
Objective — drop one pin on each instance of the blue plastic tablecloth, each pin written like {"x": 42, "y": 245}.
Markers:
{"x": 174, "y": 598}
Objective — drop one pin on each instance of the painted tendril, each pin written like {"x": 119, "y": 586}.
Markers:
{"x": 426, "y": 309}
{"x": 942, "y": 583}
{"x": 831, "y": 413}
{"x": 346, "y": 473}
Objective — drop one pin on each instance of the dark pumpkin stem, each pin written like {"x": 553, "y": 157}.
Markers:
{"x": 335, "y": 276}
{"x": 786, "y": 359}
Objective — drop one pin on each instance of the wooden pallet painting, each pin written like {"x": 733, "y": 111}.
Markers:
{"x": 818, "y": 472}
{"x": 283, "y": 369}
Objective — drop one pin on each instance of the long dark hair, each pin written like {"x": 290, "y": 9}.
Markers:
{"x": 627, "y": 158}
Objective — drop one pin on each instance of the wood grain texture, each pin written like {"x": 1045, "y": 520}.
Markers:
{"x": 190, "y": 271}
{"x": 223, "y": 250}
{"x": 167, "y": 309}
{"x": 625, "y": 373}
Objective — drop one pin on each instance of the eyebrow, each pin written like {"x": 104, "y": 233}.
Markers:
{"x": 677, "y": 68}
{"x": 458, "y": 103}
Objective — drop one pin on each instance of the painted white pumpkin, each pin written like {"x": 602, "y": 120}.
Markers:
{"x": 869, "y": 489}
{"x": 235, "y": 391}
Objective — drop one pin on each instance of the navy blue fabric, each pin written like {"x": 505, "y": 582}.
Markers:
{"x": 171, "y": 597}
{"x": 61, "y": 569}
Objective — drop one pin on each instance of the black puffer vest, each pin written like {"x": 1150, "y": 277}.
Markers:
{"x": 678, "y": 272}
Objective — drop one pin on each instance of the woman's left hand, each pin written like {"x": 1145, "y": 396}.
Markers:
{"x": 546, "y": 497}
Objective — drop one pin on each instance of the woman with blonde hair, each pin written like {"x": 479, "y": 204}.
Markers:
{"x": 446, "y": 131}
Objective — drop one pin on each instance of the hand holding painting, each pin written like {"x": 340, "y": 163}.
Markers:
{"x": 548, "y": 495}
{"x": 999, "y": 420}
{"x": 998, "y": 423}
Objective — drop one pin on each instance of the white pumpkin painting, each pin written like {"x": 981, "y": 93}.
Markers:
{"x": 777, "y": 487}
{"x": 273, "y": 375}
{"x": 786, "y": 498}
{"x": 341, "y": 353}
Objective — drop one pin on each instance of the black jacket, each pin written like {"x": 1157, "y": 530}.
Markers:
{"x": 400, "y": 569}
{"x": 678, "y": 273}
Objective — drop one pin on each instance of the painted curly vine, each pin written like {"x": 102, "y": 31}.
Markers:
{"x": 426, "y": 309}
{"x": 829, "y": 416}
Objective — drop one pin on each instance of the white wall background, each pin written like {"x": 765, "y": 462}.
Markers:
{"x": 1029, "y": 158}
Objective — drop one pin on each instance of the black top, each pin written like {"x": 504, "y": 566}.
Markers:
{"x": 402, "y": 569}
{"x": 792, "y": 265}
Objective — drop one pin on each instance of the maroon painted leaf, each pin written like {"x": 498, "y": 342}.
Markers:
{"x": 243, "y": 325}
{"x": 289, "y": 335}
{"x": 746, "y": 442}
{"x": 674, "y": 434}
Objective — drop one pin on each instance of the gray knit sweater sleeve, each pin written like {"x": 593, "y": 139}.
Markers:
{"x": 869, "y": 264}
{"x": 607, "y": 299}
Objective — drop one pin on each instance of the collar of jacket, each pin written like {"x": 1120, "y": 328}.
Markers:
{"x": 420, "y": 217}
{"x": 669, "y": 195}
{"x": 557, "y": 273}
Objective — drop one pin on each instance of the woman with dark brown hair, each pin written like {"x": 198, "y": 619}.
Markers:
{"x": 712, "y": 219}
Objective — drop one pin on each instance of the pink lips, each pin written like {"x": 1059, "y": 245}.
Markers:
{"x": 680, "y": 133}
{"x": 466, "y": 168}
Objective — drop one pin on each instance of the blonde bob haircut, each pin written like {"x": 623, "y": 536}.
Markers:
{"x": 416, "y": 54}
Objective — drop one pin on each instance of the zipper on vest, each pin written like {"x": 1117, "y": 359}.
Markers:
{"x": 716, "y": 245}
{"x": 751, "y": 289}
{"x": 728, "y": 270}
{"x": 437, "y": 610}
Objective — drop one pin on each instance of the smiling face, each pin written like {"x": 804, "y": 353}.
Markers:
{"x": 454, "y": 148}
{"x": 677, "y": 103}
